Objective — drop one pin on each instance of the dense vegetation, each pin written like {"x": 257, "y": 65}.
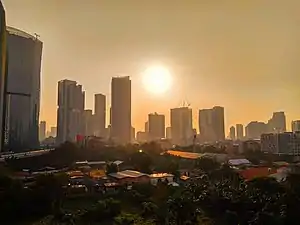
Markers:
{"x": 217, "y": 196}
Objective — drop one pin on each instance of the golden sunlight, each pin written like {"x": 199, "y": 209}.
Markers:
{"x": 157, "y": 79}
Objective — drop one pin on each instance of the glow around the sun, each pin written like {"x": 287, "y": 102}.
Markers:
{"x": 157, "y": 79}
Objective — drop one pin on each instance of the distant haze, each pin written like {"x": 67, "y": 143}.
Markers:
{"x": 243, "y": 55}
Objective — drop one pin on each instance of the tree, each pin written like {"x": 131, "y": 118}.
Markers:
{"x": 111, "y": 168}
{"x": 206, "y": 164}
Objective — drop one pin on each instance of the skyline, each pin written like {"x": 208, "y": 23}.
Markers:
{"x": 119, "y": 42}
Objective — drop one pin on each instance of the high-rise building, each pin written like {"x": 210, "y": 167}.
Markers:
{"x": 232, "y": 133}
{"x": 70, "y": 111}
{"x": 156, "y": 126}
{"x": 132, "y": 134}
{"x": 283, "y": 143}
{"x": 53, "y": 131}
{"x": 239, "y": 131}
{"x": 121, "y": 109}
{"x": 141, "y": 137}
{"x": 296, "y": 125}
{"x": 3, "y": 76}
{"x": 211, "y": 124}
{"x": 42, "y": 130}
{"x": 255, "y": 129}
{"x": 181, "y": 126}
{"x": 277, "y": 124}
{"x": 100, "y": 115}
{"x": 88, "y": 123}
{"x": 23, "y": 90}
{"x": 169, "y": 133}
{"x": 147, "y": 126}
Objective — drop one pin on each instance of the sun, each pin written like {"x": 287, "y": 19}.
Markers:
{"x": 157, "y": 79}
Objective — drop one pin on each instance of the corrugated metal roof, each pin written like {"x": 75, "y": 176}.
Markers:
{"x": 127, "y": 174}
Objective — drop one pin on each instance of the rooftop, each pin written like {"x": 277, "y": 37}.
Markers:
{"x": 161, "y": 175}
{"x": 127, "y": 174}
{"x": 15, "y": 31}
{"x": 186, "y": 155}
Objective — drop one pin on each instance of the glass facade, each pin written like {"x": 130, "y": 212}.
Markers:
{"x": 23, "y": 90}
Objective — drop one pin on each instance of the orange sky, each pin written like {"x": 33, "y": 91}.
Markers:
{"x": 243, "y": 55}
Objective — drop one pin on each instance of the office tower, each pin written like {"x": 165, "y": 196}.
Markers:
{"x": 283, "y": 143}
{"x": 211, "y": 124}
{"x": 88, "y": 123}
{"x": 156, "y": 126}
{"x": 132, "y": 134}
{"x": 23, "y": 90}
{"x": 255, "y": 129}
{"x": 239, "y": 131}
{"x": 70, "y": 110}
{"x": 42, "y": 130}
{"x": 100, "y": 115}
{"x": 296, "y": 126}
{"x": 121, "y": 110}
{"x": 181, "y": 126}
{"x": 53, "y": 131}
{"x": 168, "y": 133}
{"x": 3, "y": 75}
{"x": 147, "y": 126}
{"x": 277, "y": 124}
{"x": 141, "y": 137}
{"x": 232, "y": 133}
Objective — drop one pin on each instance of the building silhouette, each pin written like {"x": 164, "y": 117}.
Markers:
{"x": 23, "y": 90}
{"x": 211, "y": 124}
{"x": 70, "y": 111}
{"x": 181, "y": 126}
{"x": 239, "y": 131}
{"x": 42, "y": 131}
{"x": 3, "y": 73}
{"x": 88, "y": 123}
{"x": 277, "y": 124}
{"x": 296, "y": 126}
{"x": 156, "y": 126}
{"x": 100, "y": 115}
{"x": 169, "y": 133}
{"x": 255, "y": 129}
{"x": 232, "y": 133}
{"x": 121, "y": 110}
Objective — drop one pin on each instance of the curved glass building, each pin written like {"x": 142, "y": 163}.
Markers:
{"x": 23, "y": 90}
{"x": 3, "y": 64}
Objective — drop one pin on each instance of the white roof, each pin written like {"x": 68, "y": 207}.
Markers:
{"x": 161, "y": 175}
{"x": 127, "y": 174}
{"x": 236, "y": 162}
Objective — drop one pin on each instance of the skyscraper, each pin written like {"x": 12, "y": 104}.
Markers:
{"x": 277, "y": 124}
{"x": 53, "y": 131}
{"x": 181, "y": 126}
{"x": 239, "y": 131}
{"x": 70, "y": 111}
{"x": 42, "y": 130}
{"x": 100, "y": 115}
{"x": 156, "y": 126}
{"x": 211, "y": 124}
{"x": 296, "y": 125}
{"x": 88, "y": 123}
{"x": 168, "y": 133}
{"x": 3, "y": 75}
{"x": 23, "y": 90}
{"x": 232, "y": 133}
{"x": 255, "y": 129}
{"x": 121, "y": 109}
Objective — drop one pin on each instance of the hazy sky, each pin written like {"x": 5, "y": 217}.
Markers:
{"x": 243, "y": 54}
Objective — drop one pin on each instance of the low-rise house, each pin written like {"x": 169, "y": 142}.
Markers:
{"x": 163, "y": 177}
{"x": 130, "y": 177}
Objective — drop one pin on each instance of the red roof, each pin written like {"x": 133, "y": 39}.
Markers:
{"x": 252, "y": 173}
